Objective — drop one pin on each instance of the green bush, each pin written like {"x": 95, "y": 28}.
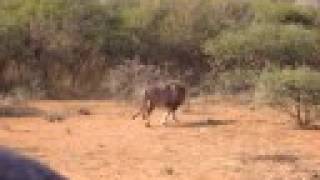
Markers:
{"x": 70, "y": 45}
{"x": 262, "y": 44}
{"x": 284, "y": 12}
{"x": 275, "y": 86}
{"x": 231, "y": 82}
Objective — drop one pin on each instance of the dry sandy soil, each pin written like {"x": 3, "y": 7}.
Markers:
{"x": 217, "y": 140}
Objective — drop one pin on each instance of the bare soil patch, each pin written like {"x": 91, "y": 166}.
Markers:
{"x": 221, "y": 140}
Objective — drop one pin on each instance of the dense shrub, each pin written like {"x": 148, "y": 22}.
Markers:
{"x": 276, "y": 85}
{"x": 292, "y": 89}
{"x": 231, "y": 82}
{"x": 74, "y": 48}
{"x": 128, "y": 80}
{"x": 284, "y": 12}
{"x": 263, "y": 44}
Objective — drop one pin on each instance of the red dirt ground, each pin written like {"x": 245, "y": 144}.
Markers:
{"x": 236, "y": 143}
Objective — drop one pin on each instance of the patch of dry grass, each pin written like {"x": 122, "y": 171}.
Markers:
{"x": 19, "y": 111}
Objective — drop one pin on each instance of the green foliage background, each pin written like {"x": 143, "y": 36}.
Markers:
{"x": 70, "y": 48}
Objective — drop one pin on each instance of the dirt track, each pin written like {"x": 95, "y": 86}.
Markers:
{"x": 236, "y": 143}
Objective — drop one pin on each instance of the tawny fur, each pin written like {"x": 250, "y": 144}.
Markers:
{"x": 170, "y": 96}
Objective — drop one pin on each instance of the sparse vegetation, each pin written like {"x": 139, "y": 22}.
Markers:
{"x": 55, "y": 116}
{"x": 84, "y": 111}
{"x": 19, "y": 111}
